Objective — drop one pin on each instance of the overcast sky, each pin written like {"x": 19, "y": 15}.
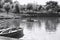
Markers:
{"x": 42, "y": 2}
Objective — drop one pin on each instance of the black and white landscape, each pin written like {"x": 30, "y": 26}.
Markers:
{"x": 33, "y": 20}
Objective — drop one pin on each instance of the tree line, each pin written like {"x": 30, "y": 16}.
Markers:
{"x": 15, "y": 7}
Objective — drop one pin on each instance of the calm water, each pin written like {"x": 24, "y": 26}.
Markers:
{"x": 41, "y": 29}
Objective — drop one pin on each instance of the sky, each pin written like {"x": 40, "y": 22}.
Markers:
{"x": 41, "y": 2}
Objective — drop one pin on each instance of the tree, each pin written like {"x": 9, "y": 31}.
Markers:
{"x": 52, "y": 5}
{"x": 1, "y": 4}
{"x": 29, "y": 7}
{"x": 40, "y": 7}
{"x": 7, "y": 7}
{"x": 6, "y": 1}
{"x": 17, "y": 8}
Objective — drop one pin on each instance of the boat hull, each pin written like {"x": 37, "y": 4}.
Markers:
{"x": 17, "y": 34}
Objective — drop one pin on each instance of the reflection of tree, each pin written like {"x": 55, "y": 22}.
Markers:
{"x": 51, "y": 25}
{"x": 5, "y": 23}
{"x": 16, "y": 23}
{"x": 29, "y": 25}
{"x": 39, "y": 22}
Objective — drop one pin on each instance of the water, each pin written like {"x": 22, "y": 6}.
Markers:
{"x": 43, "y": 28}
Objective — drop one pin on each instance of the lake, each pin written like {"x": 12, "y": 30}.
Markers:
{"x": 42, "y": 28}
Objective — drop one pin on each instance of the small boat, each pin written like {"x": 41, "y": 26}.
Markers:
{"x": 12, "y": 33}
{"x": 30, "y": 20}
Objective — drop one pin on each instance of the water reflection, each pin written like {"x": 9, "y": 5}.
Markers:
{"x": 29, "y": 25}
{"x": 51, "y": 24}
{"x": 38, "y": 30}
{"x": 16, "y": 22}
{"x": 39, "y": 22}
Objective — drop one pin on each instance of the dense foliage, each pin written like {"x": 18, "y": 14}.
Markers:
{"x": 8, "y": 5}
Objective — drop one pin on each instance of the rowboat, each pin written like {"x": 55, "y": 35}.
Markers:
{"x": 12, "y": 33}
